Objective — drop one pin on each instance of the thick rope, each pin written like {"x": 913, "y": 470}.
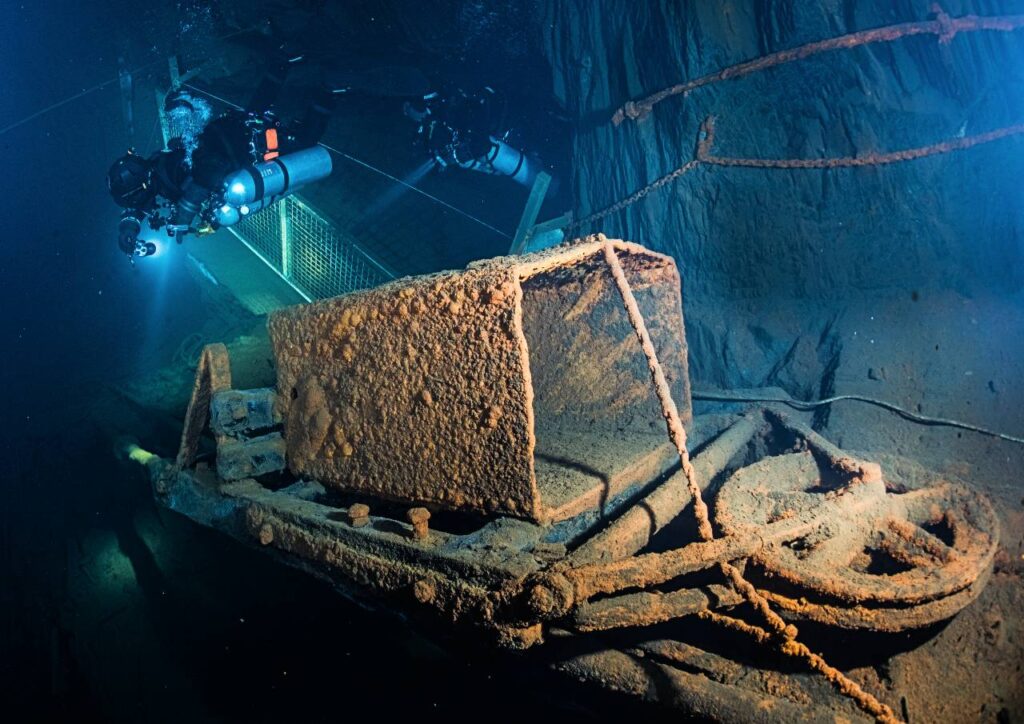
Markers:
{"x": 780, "y": 630}
{"x": 676, "y": 432}
{"x": 943, "y": 26}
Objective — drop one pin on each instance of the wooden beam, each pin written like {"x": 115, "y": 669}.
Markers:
{"x": 530, "y": 213}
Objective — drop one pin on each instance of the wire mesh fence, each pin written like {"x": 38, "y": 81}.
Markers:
{"x": 313, "y": 255}
{"x": 321, "y": 258}
{"x": 309, "y": 252}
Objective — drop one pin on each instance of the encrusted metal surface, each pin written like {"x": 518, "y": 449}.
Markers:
{"x": 860, "y": 541}
{"x": 212, "y": 375}
{"x": 238, "y": 459}
{"x": 515, "y": 584}
{"x": 859, "y": 546}
{"x": 509, "y": 388}
{"x": 441, "y": 389}
{"x": 240, "y": 413}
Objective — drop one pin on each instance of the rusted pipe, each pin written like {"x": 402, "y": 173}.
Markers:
{"x": 838, "y": 459}
{"x": 786, "y": 633}
{"x": 646, "y": 608}
{"x": 634, "y": 529}
{"x": 652, "y": 678}
{"x": 653, "y": 569}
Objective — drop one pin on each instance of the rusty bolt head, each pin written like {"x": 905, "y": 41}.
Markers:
{"x": 419, "y": 518}
{"x": 418, "y": 515}
{"x": 552, "y": 596}
{"x": 871, "y": 472}
{"x": 160, "y": 485}
{"x": 266, "y": 534}
{"x": 541, "y": 600}
{"x": 424, "y": 591}
{"x": 359, "y": 514}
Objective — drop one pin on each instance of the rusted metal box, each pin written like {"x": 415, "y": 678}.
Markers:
{"x": 514, "y": 387}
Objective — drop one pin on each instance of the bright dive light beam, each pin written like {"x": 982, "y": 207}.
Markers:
{"x": 398, "y": 190}
{"x": 140, "y": 456}
{"x": 160, "y": 247}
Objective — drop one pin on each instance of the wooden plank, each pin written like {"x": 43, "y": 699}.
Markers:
{"x": 530, "y": 213}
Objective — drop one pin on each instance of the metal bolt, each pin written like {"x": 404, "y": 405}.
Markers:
{"x": 871, "y": 472}
{"x": 419, "y": 518}
{"x": 541, "y": 600}
{"x": 358, "y": 515}
{"x": 266, "y": 534}
{"x": 424, "y": 590}
{"x": 550, "y": 597}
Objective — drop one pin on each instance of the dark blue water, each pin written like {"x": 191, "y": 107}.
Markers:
{"x": 111, "y": 610}
{"x": 900, "y": 282}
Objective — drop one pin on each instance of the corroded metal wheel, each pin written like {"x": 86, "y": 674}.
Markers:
{"x": 906, "y": 543}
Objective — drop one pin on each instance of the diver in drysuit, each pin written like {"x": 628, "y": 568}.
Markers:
{"x": 471, "y": 131}
{"x": 188, "y": 183}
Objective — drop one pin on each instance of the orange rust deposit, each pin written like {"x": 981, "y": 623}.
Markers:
{"x": 480, "y": 382}
{"x": 522, "y": 433}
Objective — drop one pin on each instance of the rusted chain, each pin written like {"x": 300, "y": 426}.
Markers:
{"x": 943, "y": 26}
{"x": 676, "y": 432}
{"x": 791, "y": 647}
{"x": 704, "y": 156}
{"x": 634, "y": 197}
{"x": 637, "y": 195}
{"x": 779, "y": 630}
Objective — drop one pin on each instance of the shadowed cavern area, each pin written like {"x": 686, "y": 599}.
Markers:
{"x": 535, "y": 359}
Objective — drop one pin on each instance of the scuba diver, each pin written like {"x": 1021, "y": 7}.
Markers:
{"x": 215, "y": 172}
{"x": 471, "y": 131}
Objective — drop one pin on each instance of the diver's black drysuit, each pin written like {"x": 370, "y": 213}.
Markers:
{"x": 234, "y": 140}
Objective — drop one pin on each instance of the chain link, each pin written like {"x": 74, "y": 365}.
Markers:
{"x": 706, "y": 139}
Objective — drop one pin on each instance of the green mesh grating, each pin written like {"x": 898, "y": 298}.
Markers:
{"x": 318, "y": 259}
{"x": 262, "y": 232}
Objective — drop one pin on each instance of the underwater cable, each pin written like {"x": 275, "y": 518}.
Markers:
{"x": 814, "y": 404}
{"x": 419, "y": 191}
{"x": 101, "y": 86}
{"x": 67, "y": 100}
{"x": 371, "y": 167}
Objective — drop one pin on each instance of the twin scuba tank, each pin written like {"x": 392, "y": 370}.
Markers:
{"x": 253, "y": 188}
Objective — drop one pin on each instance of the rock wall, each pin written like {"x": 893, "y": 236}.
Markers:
{"x": 772, "y": 260}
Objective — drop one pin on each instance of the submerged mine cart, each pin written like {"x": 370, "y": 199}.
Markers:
{"x": 490, "y": 446}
